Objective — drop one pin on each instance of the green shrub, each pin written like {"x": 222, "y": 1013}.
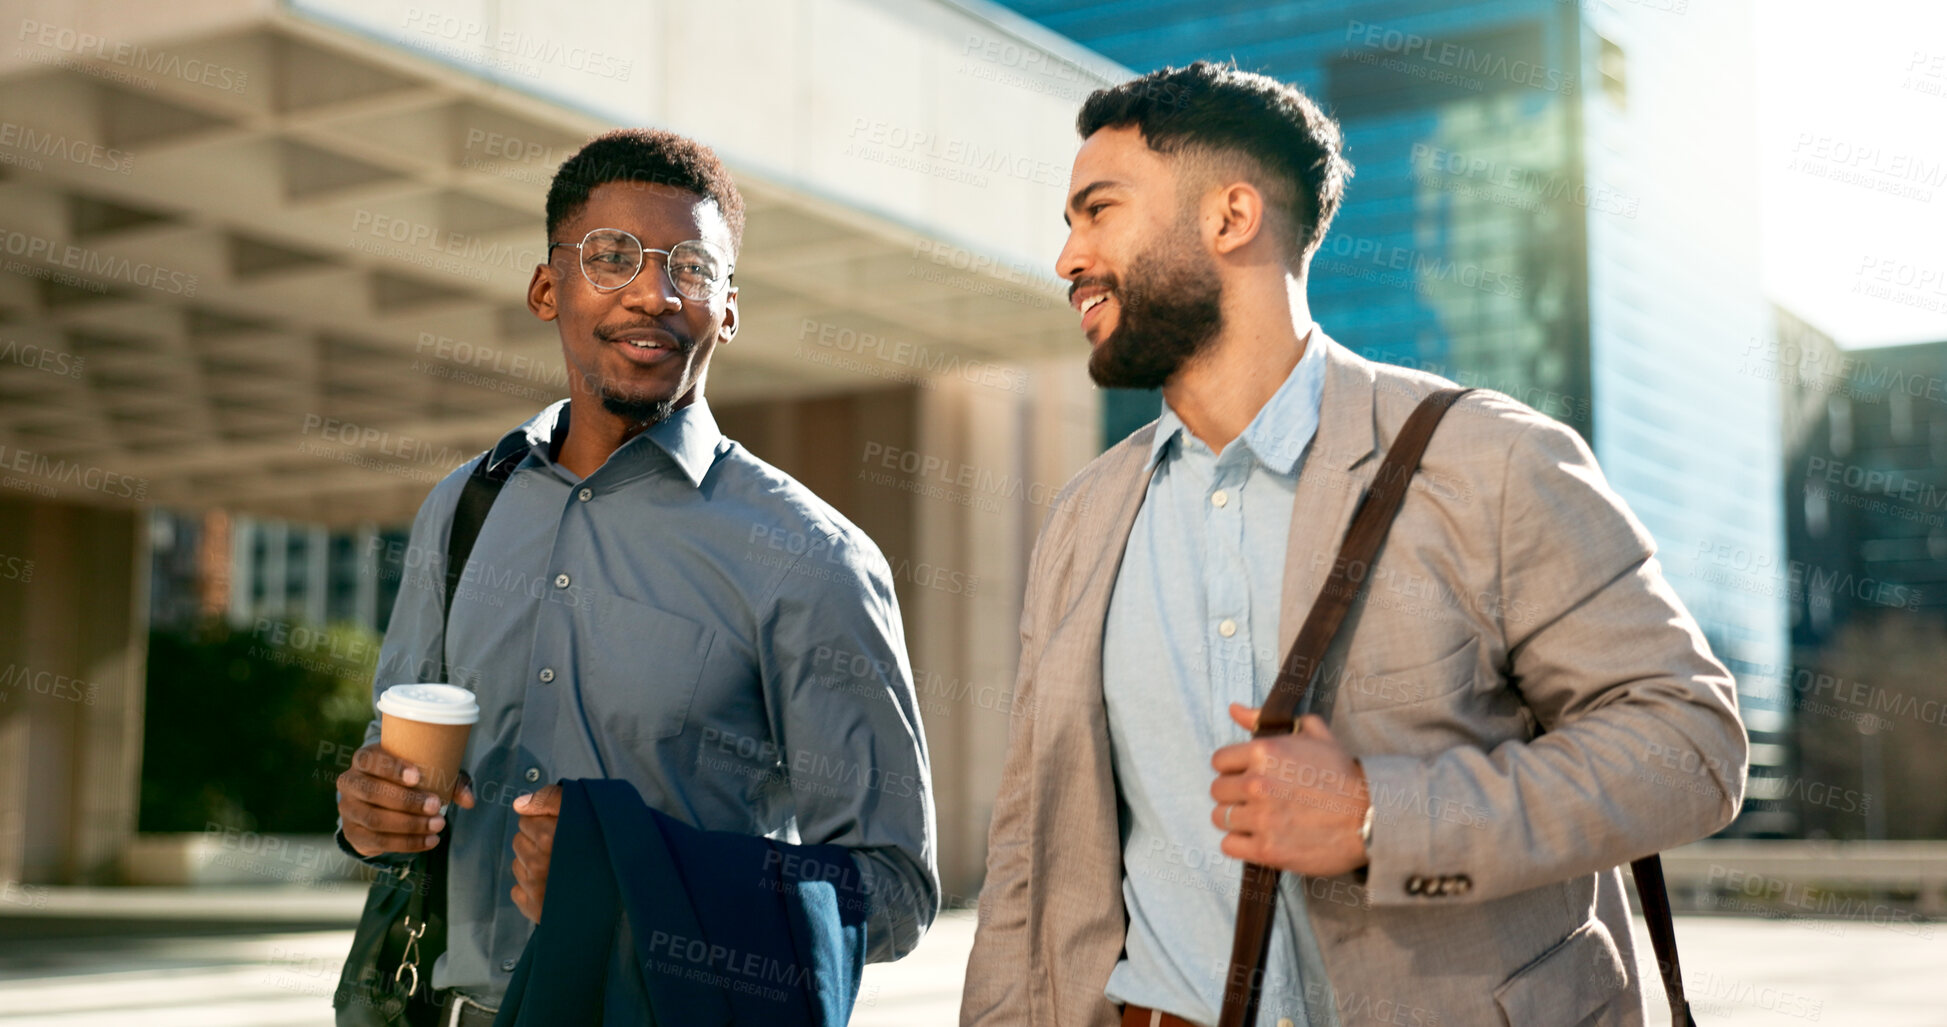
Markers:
{"x": 248, "y": 729}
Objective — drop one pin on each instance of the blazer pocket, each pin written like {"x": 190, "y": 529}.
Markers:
{"x": 643, "y": 665}
{"x": 1566, "y": 984}
{"x": 1371, "y": 690}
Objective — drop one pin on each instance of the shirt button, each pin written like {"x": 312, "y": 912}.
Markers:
{"x": 547, "y": 674}
{"x": 533, "y": 774}
{"x": 585, "y": 495}
{"x": 1227, "y": 628}
{"x": 561, "y": 581}
{"x": 1219, "y": 498}
{"x": 509, "y": 964}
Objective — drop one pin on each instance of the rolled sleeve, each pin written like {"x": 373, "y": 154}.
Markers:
{"x": 845, "y": 713}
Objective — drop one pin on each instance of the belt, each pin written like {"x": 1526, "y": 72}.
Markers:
{"x": 456, "y": 1010}
{"x": 1138, "y": 1016}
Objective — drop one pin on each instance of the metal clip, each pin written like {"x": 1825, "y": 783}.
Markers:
{"x": 410, "y": 959}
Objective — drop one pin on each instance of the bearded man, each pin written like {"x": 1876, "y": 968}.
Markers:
{"x": 1452, "y": 809}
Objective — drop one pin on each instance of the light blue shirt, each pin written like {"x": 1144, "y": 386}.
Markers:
{"x": 1193, "y": 627}
{"x": 690, "y": 620}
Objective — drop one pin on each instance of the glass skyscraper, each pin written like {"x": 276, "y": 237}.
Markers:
{"x": 1866, "y": 509}
{"x": 1555, "y": 199}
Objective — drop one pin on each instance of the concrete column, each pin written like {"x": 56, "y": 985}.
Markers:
{"x": 73, "y": 640}
{"x": 957, "y": 529}
{"x": 991, "y": 460}
{"x": 1004, "y": 455}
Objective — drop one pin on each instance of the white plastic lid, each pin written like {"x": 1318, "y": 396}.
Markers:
{"x": 430, "y": 704}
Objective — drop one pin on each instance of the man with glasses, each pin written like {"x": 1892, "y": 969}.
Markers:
{"x": 628, "y": 612}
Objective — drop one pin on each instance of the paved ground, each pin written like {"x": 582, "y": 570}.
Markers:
{"x": 81, "y": 958}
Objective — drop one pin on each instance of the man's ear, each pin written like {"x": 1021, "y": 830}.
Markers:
{"x": 728, "y": 330}
{"x": 540, "y": 293}
{"x": 1235, "y": 214}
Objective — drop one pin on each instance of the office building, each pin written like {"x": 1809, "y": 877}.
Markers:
{"x": 1865, "y": 500}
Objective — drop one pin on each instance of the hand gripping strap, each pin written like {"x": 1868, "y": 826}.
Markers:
{"x": 1258, "y": 899}
{"x": 1259, "y": 896}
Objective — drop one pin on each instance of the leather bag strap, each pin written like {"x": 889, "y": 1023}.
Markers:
{"x": 1258, "y": 899}
{"x": 477, "y": 496}
{"x": 1663, "y": 933}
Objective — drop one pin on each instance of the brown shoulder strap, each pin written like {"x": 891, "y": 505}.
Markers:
{"x": 1663, "y": 934}
{"x": 1258, "y": 900}
{"x": 1370, "y": 523}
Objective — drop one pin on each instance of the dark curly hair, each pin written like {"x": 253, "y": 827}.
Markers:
{"x": 645, "y": 155}
{"x": 1215, "y": 112}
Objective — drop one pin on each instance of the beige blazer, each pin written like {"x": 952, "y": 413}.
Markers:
{"x": 1516, "y": 593}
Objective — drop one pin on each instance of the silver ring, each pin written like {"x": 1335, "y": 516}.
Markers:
{"x": 1228, "y": 806}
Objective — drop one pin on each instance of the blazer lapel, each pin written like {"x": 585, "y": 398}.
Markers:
{"x": 1102, "y": 535}
{"x": 1335, "y": 474}
{"x": 1075, "y": 808}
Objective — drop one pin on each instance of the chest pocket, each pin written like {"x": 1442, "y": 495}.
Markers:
{"x": 1411, "y": 684}
{"x": 639, "y": 669}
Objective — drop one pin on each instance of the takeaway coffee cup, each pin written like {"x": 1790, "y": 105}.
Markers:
{"x": 427, "y": 725}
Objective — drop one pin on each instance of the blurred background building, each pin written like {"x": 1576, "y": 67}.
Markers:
{"x": 1865, "y": 467}
{"x": 242, "y": 569}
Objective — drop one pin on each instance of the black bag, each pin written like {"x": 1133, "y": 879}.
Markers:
{"x": 388, "y": 976}
{"x": 387, "y": 980}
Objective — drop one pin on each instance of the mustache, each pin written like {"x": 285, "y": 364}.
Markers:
{"x": 614, "y": 333}
{"x": 1106, "y": 281}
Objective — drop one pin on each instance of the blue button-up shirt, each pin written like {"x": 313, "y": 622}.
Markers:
{"x": 689, "y": 619}
{"x": 1193, "y": 627}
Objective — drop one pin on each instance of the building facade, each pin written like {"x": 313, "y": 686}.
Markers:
{"x": 1865, "y": 502}
{"x": 243, "y": 569}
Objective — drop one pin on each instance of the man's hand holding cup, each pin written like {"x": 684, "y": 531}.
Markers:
{"x": 390, "y": 798}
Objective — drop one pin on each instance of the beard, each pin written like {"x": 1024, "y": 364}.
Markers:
{"x": 637, "y": 408}
{"x": 1171, "y": 304}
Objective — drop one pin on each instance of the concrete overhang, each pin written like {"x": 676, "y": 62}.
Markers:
{"x": 271, "y": 257}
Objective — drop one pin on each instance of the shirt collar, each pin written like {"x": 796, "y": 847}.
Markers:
{"x": 1168, "y": 427}
{"x": 1277, "y": 436}
{"x": 689, "y": 435}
